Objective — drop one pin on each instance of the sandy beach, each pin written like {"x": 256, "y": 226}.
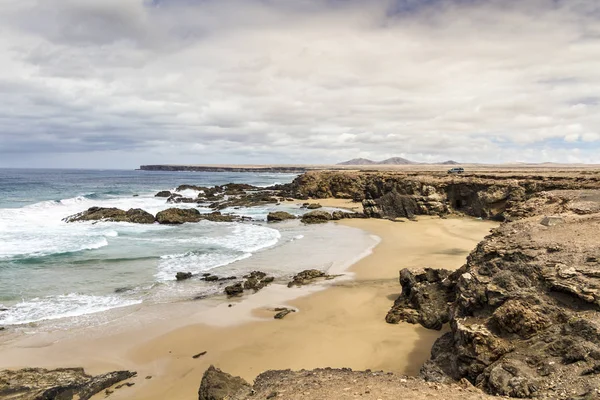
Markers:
{"x": 341, "y": 326}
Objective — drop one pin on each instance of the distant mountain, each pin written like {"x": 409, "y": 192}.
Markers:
{"x": 392, "y": 161}
{"x": 358, "y": 161}
{"x": 396, "y": 161}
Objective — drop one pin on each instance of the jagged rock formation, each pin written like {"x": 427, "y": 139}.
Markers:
{"x": 308, "y": 276}
{"x": 328, "y": 383}
{"x": 523, "y": 310}
{"x": 316, "y": 217}
{"x": 174, "y": 216}
{"x": 279, "y": 216}
{"x": 163, "y": 193}
{"x": 219, "y": 385}
{"x": 134, "y": 215}
{"x": 62, "y": 383}
{"x": 401, "y": 194}
{"x": 254, "y": 281}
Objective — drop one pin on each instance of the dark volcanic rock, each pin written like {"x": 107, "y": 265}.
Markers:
{"x": 234, "y": 290}
{"x": 182, "y": 276}
{"x": 523, "y": 310}
{"x": 164, "y": 193}
{"x": 174, "y": 216}
{"x": 308, "y": 276}
{"x": 313, "y": 206}
{"x": 139, "y": 216}
{"x": 134, "y": 215}
{"x": 492, "y": 196}
{"x": 278, "y": 216}
{"x": 316, "y": 217}
{"x": 219, "y": 385}
{"x": 254, "y": 281}
{"x": 63, "y": 383}
{"x": 282, "y": 312}
{"x": 424, "y": 299}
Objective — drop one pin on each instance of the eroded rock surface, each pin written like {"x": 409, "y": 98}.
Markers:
{"x": 219, "y": 385}
{"x": 308, "y": 276}
{"x": 255, "y": 281}
{"x": 316, "y": 217}
{"x": 523, "y": 310}
{"x": 134, "y": 215}
{"x": 278, "y": 216}
{"x": 399, "y": 194}
{"x": 62, "y": 383}
{"x": 328, "y": 383}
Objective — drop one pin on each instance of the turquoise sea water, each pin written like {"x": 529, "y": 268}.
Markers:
{"x": 50, "y": 269}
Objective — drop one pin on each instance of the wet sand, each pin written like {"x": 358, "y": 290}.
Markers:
{"x": 341, "y": 326}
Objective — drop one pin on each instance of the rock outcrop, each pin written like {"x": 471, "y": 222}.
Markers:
{"x": 254, "y": 281}
{"x": 134, "y": 215}
{"x": 497, "y": 195}
{"x": 219, "y": 385}
{"x": 279, "y": 216}
{"x": 175, "y": 216}
{"x": 316, "y": 217}
{"x": 62, "y": 383}
{"x": 182, "y": 276}
{"x": 329, "y": 383}
{"x": 523, "y": 310}
{"x": 308, "y": 276}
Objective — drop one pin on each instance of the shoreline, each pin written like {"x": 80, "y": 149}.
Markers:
{"x": 341, "y": 326}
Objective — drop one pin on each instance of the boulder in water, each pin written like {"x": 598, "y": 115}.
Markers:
{"x": 279, "y": 216}
{"x": 175, "y": 216}
{"x": 139, "y": 216}
{"x": 134, "y": 215}
{"x": 163, "y": 193}
{"x": 182, "y": 276}
{"x": 316, "y": 217}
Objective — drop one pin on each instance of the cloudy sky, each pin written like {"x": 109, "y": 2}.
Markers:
{"x": 119, "y": 83}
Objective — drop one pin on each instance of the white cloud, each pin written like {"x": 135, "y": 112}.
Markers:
{"x": 298, "y": 81}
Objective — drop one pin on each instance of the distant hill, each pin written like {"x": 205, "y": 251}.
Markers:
{"x": 391, "y": 161}
{"x": 396, "y": 161}
{"x": 358, "y": 161}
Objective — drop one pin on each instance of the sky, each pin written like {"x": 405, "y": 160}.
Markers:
{"x": 120, "y": 83}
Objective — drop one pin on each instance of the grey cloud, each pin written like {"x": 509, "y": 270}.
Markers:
{"x": 300, "y": 81}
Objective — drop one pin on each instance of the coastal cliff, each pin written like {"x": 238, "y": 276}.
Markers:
{"x": 393, "y": 194}
{"x": 523, "y": 310}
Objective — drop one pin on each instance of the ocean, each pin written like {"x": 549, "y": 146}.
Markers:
{"x": 72, "y": 273}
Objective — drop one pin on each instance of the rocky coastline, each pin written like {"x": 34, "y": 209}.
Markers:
{"x": 522, "y": 312}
